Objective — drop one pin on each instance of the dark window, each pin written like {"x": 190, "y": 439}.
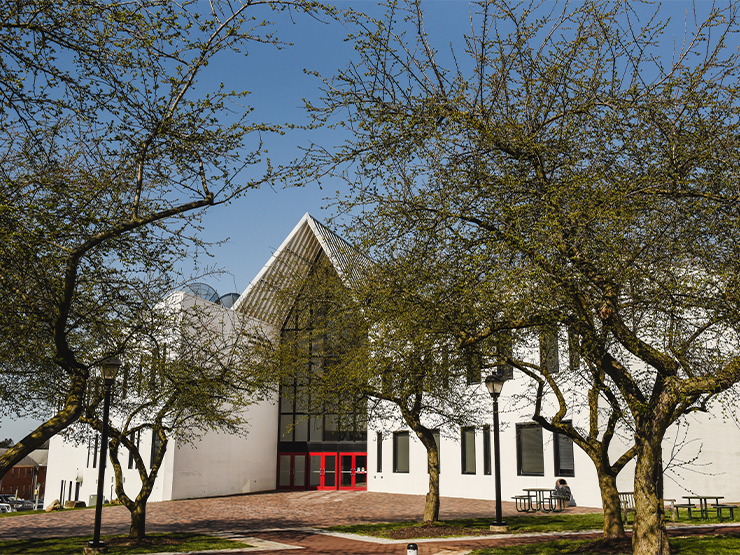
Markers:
{"x": 529, "y": 454}
{"x": 303, "y": 419}
{"x": 133, "y": 438}
{"x": 486, "y": 450}
{"x": 549, "y": 358}
{"x": 574, "y": 349}
{"x": 156, "y": 442}
{"x": 401, "y": 452}
{"x": 505, "y": 350}
{"x": 564, "y": 465}
{"x": 379, "y": 444}
{"x": 468, "y": 450}
{"x": 95, "y": 452}
{"x": 435, "y": 433}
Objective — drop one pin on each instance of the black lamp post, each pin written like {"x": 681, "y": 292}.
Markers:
{"x": 495, "y": 383}
{"x": 109, "y": 370}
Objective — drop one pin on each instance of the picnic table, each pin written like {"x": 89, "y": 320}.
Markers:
{"x": 703, "y": 501}
{"x": 540, "y": 499}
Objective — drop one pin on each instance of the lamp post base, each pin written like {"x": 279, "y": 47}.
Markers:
{"x": 94, "y": 549}
{"x": 499, "y": 528}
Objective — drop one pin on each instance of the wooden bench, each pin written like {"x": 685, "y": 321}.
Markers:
{"x": 627, "y": 502}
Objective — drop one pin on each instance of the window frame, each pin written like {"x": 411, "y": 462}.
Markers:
{"x": 567, "y": 473}
{"x": 486, "y": 450}
{"x": 379, "y": 452}
{"x": 465, "y": 436}
{"x": 520, "y": 427}
{"x": 397, "y": 468}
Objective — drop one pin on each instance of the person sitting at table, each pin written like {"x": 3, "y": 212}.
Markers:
{"x": 562, "y": 489}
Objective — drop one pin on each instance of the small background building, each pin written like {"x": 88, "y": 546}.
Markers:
{"x": 27, "y": 479}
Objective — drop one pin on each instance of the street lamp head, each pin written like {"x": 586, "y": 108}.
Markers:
{"x": 495, "y": 383}
{"x": 110, "y": 369}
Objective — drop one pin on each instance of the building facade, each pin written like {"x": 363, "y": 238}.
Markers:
{"x": 289, "y": 448}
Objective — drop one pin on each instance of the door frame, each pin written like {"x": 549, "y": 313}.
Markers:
{"x": 322, "y": 471}
{"x": 292, "y": 485}
{"x": 353, "y": 486}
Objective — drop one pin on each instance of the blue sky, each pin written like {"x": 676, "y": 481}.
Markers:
{"x": 257, "y": 223}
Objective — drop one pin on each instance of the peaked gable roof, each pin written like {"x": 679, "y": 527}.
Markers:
{"x": 291, "y": 263}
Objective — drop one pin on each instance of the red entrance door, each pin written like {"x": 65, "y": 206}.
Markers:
{"x": 322, "y": 471}
{"x": 292, "y": 471}
{"x": 353, "y": 471}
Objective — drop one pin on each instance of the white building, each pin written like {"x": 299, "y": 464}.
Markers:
{"x": 285, "y": 449}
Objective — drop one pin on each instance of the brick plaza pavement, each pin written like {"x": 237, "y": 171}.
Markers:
{"x": 283, "y": 516}
{"x": 258, "y": 511}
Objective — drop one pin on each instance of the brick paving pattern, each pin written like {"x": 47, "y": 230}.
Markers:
{"x": 278, "y": 517}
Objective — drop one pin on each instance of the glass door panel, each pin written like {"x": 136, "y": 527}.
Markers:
{"x": 347, "y": 471}
{"x": 361, "y": 471}
{"x": 314, "y": 476}
{"x": 299, "y": 471}
{"x": 330, "y": 471}
{"x": 353, "y": 470}
{"x": 284, "y": 471}
{"x": 292, "y": 471}
{"x": 322, "y": 470}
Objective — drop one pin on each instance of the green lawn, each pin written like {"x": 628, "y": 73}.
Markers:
{"x": 524, "y": 523}
{"x": 517, "y": 524}
{"x": 699, "y": 545}
{"x": 155, "y": 543}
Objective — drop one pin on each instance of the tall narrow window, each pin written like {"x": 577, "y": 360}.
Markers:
{"x": 401, "y": 452}
{"x": 505, "y": 350}
{"x": 564, "y": 464}
{"x": 529, "y": 454}
{"x": 379, "y": 451}
{"x": 549, "y": 357}
{"x": 133, "y": 438}
{"x": 468, "y": 450}
{"x": 156, "y": 442}
{"x": 95, "y": 452}
{"x": 574, "y": 349}
{"x": 486, "y": 450}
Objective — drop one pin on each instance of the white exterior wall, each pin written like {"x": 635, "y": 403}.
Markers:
{"x": 222, "y": 464}
{"x": 709, "y": 444}
{"x": 453, "y": 483}
{"x": 215, "y": 464}
{"x": 74, "y": 463}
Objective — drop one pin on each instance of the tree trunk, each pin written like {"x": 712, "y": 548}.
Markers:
{"x": 58, "y": 423}
{"x": 431, "y": 507}
{"x": 649, "y": 534}
{"x": 138, "y": 520}
{"x": 613, "y": 525}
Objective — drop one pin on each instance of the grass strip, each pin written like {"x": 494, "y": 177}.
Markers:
{"x": 473, "y": 526}
{"x": 690, "y": 545}
{"x": 526, "y": 523}
{"x": 123, "y": 545}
